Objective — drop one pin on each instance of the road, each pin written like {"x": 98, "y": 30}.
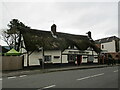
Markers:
{"x": 85, "y": 78}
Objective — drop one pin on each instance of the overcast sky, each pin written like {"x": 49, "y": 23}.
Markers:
{"x": 101, "y": 18}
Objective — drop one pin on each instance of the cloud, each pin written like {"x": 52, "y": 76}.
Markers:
{"x": 84, "y": 16}
{"x": 70, "y": 17}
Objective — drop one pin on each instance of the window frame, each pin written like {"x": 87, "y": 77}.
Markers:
{"x": 47, "y": 58}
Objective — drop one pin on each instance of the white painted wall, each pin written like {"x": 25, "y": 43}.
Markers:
{"x": 119, "y": 45}
{"x": 22, "y": 50}
{"x": 95, "y": 60}
{"x": 64, "y": 59}
{"x": 66, "y": 51}
{"x": 25, "y": 59}
{"x": 91, "y": 52}
{"x": 94, "y": 53}
{"x": 109, "y": 46}
{"x": 84, "y": 60}
{"x": 35, "y": 56}
{"x": 54, "y": 53}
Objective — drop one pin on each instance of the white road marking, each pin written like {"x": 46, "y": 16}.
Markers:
{"x": 49, "y": 86}
{"x": 84, "y": 78}
{"x": 91, "y": 76}
{"x": 11, "y": 77}
{"x": 115, "y": 71}
{"x": 0, "y": 78}
{"x": 97, "y": 75}
{"x": 22, "y": 75}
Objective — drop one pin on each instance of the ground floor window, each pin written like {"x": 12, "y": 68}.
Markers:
{"x": 48, "y": 58}
{"x": 85, "y": 57}
{"x": 56, "y": 57}
{"x": 71, "y": 57}
{"x": 90, "y": 58}
{"x": 96, "y": 57}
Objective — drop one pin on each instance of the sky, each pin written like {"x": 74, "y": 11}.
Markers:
{"x": 73, "y": 16}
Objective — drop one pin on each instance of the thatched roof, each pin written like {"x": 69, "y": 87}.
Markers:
{"x": 34, "y": 39}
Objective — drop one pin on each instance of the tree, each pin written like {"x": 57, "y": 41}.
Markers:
{"x": 12, "y": 36}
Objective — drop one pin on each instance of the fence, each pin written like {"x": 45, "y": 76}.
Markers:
{"x": 12, "y": 62}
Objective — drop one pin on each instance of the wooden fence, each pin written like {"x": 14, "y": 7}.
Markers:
{"x": 12, "y": 62}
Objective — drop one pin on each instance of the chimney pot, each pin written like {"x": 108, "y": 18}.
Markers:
{"x": 53, "y": 28}
{"x": 89, "y": 34}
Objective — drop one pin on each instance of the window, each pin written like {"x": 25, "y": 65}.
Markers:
{"x": 71, "y": 57}
{"x": 90, "y": 58}
{"x": 48, "y": 58}
{"x": 85, "y": 57}
{"x": 57, "y": 57}
{"x": 102, "y": 46}
{"x": 96, "y": 57}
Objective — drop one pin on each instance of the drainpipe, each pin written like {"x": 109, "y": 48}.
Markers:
{"x": 27, "y": 59}
{"x": 61, "y": 57}
{"x": 42, "y": 57}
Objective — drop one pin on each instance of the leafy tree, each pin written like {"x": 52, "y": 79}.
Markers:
{"x": 12, "y": 36}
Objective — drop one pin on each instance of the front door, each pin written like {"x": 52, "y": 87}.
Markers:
{"x": 79, "y": 59}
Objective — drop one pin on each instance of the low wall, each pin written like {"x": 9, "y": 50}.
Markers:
{"x": 12, "y": 62}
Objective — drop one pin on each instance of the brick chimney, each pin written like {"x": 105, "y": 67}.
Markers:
{"x": 53, "y": 29}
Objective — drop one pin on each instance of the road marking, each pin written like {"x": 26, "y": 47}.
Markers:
{"x": 22, "y": 75}
{"x": 0, "y": 78}
{"x": 84, "y": 78}
{"x": 49, "y": 86}
{"x": 97, "y": 75}
{"x": 115, "y": 71}
{"x": 11, "y": 77}
{"x": 91, "y": 76}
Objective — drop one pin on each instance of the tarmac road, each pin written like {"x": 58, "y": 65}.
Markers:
{"x": 106, "y": 77}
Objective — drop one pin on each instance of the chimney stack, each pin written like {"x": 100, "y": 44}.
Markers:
{"x": 53, "y": 29}
{"x": 89, "y": 35}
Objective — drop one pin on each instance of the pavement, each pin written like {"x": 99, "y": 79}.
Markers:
{"x": 38, "y": 70}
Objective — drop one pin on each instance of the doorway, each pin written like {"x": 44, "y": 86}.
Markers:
{"x": 79, "y": 59}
